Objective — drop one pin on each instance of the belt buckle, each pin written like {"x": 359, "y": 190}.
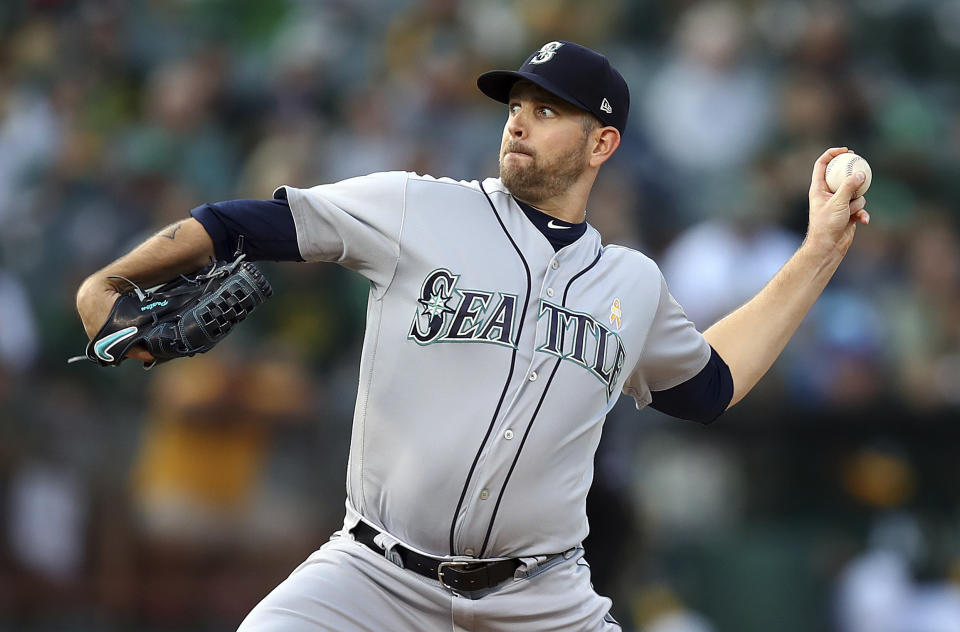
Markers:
{"x": 451, "y": 563}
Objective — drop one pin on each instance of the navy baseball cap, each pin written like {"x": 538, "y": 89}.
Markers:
{"x": 580, "y": 76}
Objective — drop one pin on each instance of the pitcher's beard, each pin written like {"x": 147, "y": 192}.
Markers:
{"x": 535, "y": 182}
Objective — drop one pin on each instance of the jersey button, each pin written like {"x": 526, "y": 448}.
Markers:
{"x": 555, "y": 264}
{"x": 508, "y": 434}
{"x": 549, "y": 291}
{"x": 533, "y": 376}
{"x": 484, "y": 494}
{"x": 469, "y": 551}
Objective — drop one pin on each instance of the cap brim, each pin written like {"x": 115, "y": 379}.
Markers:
{"x": 496, "y": 84}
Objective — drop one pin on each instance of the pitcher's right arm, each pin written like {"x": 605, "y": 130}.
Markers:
{"x": 181, "y": 248}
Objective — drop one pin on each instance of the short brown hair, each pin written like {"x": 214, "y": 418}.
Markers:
{"x": 590, "y": 123}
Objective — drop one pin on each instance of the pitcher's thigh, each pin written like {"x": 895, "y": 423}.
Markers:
{"x": 345, "y": 586}
{"x": 559, "y": 599}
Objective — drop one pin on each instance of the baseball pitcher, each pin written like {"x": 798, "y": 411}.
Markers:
{"x": 500, "y": 332}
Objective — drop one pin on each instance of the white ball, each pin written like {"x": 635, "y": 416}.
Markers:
{"x": 846, "y": 165}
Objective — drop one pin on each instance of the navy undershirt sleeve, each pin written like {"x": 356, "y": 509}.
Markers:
{"x": 703, "y": 397}
{"x": 266, "y": 226}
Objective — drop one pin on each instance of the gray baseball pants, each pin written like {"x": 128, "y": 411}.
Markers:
{"x": 346, "y": 587}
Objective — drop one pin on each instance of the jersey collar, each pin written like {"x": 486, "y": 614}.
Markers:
{"x": 558, "y": 232}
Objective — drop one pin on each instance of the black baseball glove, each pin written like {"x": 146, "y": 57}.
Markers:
{"x": 183, "y": 317}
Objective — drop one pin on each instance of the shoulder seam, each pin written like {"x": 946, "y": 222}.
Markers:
{"x": 647, "y": 337}
{"x": 627, "y": 249}
{"x": 403, "y": 218}
{"x": 464, "y": 184}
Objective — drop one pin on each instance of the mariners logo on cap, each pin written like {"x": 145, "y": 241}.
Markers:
{"x": 546, "y": 53}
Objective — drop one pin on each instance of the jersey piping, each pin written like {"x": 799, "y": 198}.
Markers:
{"x": 533, "y": 417}
{"x": 506, "y": 384}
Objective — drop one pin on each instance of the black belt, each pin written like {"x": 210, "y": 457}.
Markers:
{"x": 460, "y": 575}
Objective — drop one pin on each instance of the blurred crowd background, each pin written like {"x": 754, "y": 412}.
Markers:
{"x": 174, "y": 499}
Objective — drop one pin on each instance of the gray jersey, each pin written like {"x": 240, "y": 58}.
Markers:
{"x": 489, "y": 362}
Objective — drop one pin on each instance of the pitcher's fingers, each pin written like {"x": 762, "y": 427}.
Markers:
{"x": 818, "y": 181}
{"x": 138, "y": 353}
{"x": 857, "y": 204}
